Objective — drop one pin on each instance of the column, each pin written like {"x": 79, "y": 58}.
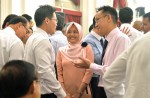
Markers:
{"x": 88, "y": 9}
{"x": 5, "y": 9}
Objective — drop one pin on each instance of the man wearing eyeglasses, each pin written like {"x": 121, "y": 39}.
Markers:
{"x": 11, "y": 46}
{"x": 106, "y": 22}
{"x": 39, "y": 52}
{"x": 29, "y": 32}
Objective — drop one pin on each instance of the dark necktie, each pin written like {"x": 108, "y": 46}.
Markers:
{"x": 104, "y": 45}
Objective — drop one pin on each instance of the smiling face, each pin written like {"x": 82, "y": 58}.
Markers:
{"x": 73, "y": 35}
{"x": 101, "y": 23}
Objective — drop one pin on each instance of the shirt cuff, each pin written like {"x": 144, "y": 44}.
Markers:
{"x": 61, "y": 93}
{"x": 97, "y": 69}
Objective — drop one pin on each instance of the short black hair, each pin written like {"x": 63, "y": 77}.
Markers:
{"x": 60, "y": 22}
{"x": 147, "y": 15}
{"x": 18, "y": 19}
{"x": 7, "y": 19}
{"x": 28, "y": 17}
{"x": 16, "y": 77}
{"x": 92, "y": 25}
{"x": 109, "y": 10}
{"x": 126, "y": 15}
{"x": 94, "y": 21}
{"x": 42, "y": 12}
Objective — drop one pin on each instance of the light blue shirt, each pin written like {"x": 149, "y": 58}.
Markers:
{"x": 58, "y": 40}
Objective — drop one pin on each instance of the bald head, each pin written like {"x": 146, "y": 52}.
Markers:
{"x": 138, "y": 25}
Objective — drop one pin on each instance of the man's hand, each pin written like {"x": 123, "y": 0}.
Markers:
{"x": 125, "y": 30}
{"x": 82, "y": 62}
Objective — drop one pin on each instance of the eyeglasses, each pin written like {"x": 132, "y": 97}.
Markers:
{"x": 38, "y": 81}
{"x": 98, "y": 19}
{"x": 54, "y": 19}
{"x": 27, "y": 30}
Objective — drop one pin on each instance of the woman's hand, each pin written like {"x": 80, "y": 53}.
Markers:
{"x": 76, "y": 95}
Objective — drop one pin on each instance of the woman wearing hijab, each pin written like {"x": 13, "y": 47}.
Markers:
{"x": 74, "y": 80}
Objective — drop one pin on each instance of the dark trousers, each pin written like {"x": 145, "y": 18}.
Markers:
{"x": 48, "y": 95}
{"x": 97, "y": 92}
{"x": 102, "y": 93}
{"x": 55, "y": 66}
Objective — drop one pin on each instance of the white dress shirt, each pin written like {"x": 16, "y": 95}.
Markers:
{"x": 39, "y": 52}
{"x": 133, "y": 33}
{"x": 11, "y": 47}
{"x": 133, "y": 68}
{"x": 58, "y": 40}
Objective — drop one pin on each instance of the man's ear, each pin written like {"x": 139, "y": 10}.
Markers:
{"x": 109, "y": 18}
{"x": 19, "y": 25}
{"x": 32, "y": 88}
{"x": 46, "y": 20}
{"x": 7, "y": 24}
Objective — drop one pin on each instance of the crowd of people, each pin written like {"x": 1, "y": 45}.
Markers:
{"x": 57, "y": 61}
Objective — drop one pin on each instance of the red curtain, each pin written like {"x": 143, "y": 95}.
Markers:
{"x": 122, "y": 3}
{"x": 70, "y": 18}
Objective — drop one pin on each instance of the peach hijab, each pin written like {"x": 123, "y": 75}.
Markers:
{"x": 73, "y": 51}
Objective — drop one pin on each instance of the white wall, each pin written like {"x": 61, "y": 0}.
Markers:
{"x": 32, "y": 5}
{"x": 66, "y": 4}
{"x": 104, "y": 2}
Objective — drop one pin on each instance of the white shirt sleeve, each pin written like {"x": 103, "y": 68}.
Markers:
{"x": 44, "y": 61}
{"x": 17, "y": 51}
{"x": 113, "y": 78}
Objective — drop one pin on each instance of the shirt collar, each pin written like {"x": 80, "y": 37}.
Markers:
{"x": 96, "y": 35}
{"x": 112, "y": 34}
{"x": 8, "y": 30}
{"x": 44, "y": 33}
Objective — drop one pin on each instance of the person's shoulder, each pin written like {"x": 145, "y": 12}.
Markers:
{"x": 146, "y": 37}
{"x": 58, "y": 36}
{"x": 89, "y": 37}
{"x": 122, "y": 36}
{"x": 38, "y": 36}
{"x": 142, "y": 43}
